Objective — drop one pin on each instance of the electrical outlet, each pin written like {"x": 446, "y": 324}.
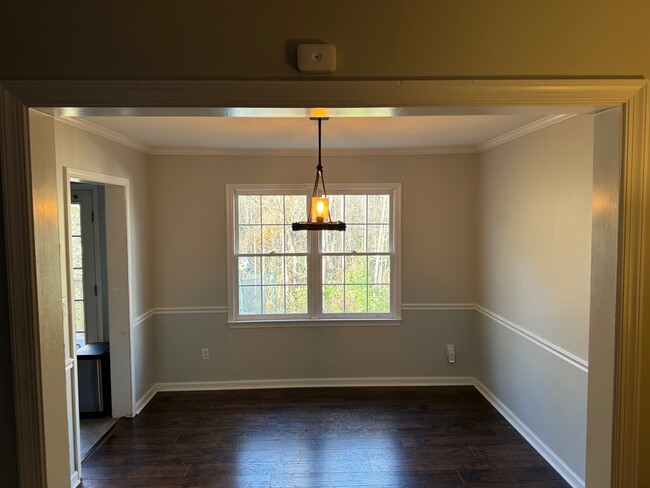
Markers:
{"x": 451, "y": 354}
{"x": 205, "y": 353}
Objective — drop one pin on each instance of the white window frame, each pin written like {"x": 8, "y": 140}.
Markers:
{"x": 315, "y": 316}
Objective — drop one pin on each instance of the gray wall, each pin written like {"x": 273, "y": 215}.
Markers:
{"x": 8, "y": 460}
{"x": 534, "y": 269}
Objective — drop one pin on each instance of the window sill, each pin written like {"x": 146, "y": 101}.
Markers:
{"x": 274, "y": 324}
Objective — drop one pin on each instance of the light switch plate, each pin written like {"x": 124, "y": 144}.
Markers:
{"x": 317, "y": 58}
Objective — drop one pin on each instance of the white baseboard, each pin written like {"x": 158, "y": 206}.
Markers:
{"x": 74, "y": 480}
{"x": 146, "y": 398}
{"x": 540, "y": 446}
{"x": 316, "y": 382}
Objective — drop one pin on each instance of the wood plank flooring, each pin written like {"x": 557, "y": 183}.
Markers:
{"x": 431, "y": 437}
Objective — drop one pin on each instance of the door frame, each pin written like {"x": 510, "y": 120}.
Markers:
{"x": 22, "y": 218}
{"x": 122, "y": 386}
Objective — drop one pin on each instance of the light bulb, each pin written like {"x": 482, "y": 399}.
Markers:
{"x": 320, "y": 209}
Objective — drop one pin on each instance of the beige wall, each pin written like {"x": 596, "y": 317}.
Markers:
{"x": 534, "y": 216}
{"x": 190, "y": 228}
{"x": 81, "y": 150}
{"x": 534, "y": 270}
{"x": 438, "y": 235}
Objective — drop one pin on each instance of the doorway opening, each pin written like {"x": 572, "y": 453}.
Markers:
{"x": 626, "y": 93}
{"x": 99, "y": 303}
{"x": 87, "y": 244}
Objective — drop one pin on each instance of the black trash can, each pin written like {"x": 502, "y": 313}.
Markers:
{"x": 94, "y": 375}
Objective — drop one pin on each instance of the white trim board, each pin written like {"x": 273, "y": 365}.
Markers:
{"x": 224, "y": 310}
{"x": 301, "y": 383}
{"x": 438, "y": 306}
{"x": 524, "y": 130}
{"x": 329, "y": 153}
{"x": 103, "y": 132}
{"x": 98, "y": 130}
{"x": 535, "y": 339}
{"x": 146, "y": 398}
{"x": 140, "y": 319}
{"x": 316, "y": 383}
{"x": 538, "y": 444}
{"x": 190, "y": 310}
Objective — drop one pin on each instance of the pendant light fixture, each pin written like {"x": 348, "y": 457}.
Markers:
{"x": 319, "y": 210}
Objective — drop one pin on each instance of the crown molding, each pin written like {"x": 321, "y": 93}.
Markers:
{"x": 542, "y": 123}
{"x": 103, "y": 132}
{"x": 524, "y": 130}
{"x": 416, "y": 151}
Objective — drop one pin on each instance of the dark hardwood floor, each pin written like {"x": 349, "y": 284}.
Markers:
{"x": 429, "y": 437}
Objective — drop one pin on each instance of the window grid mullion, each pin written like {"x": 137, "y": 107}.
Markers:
{"x": 315, "y": 294}
{"x": 261, "y": 259}
{"x": 284, "y": 248}
{"x": 345, "y": 263}
{"x": 367, "y": 261}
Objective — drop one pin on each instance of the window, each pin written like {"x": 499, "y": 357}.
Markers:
{"x": 278, "y": 275}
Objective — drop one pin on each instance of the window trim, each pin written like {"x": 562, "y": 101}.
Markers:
{"x": 315, "y": 315}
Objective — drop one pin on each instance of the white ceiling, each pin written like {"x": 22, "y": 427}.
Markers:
{"x": 295, "y": 133}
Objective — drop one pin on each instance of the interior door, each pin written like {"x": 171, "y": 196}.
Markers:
{"x": 86, "y": 317}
